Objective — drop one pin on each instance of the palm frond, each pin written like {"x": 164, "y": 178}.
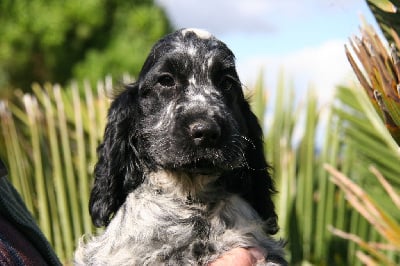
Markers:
{"x": 378, "y": 70}
{"x": 383, "y": 222}
{"x": 49, "y": 140}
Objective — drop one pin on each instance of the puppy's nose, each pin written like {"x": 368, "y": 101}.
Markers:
{"x": 205, "y": 133}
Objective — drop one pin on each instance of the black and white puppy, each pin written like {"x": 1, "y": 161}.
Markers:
{"x": 181, "y": 176}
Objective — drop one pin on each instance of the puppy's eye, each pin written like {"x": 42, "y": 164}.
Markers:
{"x": 227, "y": 83}
{"x": 166, "y": 80}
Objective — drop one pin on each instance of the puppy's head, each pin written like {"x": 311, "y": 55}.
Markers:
{"x": 186, "y": 113}
{"x": 189, "y": 100}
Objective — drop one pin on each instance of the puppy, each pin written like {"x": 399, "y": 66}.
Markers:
{"x": 182, "y": 177}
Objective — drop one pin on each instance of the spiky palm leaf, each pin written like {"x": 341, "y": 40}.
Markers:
{"x": 49, "y": 140}
{"x": 383, "y": 221}
{"x": 378, "y": 71}
{"x": 372, "y": 126}
{"x": 373, "y": 148}
{"x": 387, "y": 14}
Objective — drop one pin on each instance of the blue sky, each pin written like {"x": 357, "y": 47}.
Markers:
{"x": 304, "y": 38}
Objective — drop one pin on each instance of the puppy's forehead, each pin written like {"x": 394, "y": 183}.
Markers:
{"x": 192, "y": 39}
{"x": 200, "y": 47}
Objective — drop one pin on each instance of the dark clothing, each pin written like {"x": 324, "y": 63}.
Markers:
{"x": 21, "y": 241}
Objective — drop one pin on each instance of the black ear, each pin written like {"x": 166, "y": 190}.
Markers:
{"x": 117, "y": 170}
{"x": 262, "y": 185}
{"x": 254, "y": 181}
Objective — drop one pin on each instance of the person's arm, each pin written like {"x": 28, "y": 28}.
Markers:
{"x": 20, "y": 237}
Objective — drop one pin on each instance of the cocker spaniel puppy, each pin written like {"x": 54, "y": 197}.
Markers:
{"x": 181, "y": 176}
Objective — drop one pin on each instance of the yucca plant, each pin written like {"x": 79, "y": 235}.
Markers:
{"x": 383, "y": 222}
{"x": 307, "y": 202}
{"x": 372, "y": 147}
{"x": 371, "y": 119}
{"x": 377, "y": 67}
{"x": 49, "y": 140}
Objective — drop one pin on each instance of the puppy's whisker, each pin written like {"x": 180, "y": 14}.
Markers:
{"x": 246, "y": 139}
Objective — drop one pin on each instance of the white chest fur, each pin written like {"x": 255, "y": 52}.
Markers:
{"x": 159, "y": 225}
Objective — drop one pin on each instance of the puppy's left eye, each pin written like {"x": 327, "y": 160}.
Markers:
{"x": 166, "y": 80}
{"x": 227, "y": 83}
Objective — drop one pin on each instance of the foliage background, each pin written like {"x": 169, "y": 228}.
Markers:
{"x": 49, "y": 136}
{"x": 56, "y": 41}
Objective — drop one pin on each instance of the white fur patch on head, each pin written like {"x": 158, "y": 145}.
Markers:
{"x": 202, "y": 34}
{"x": 199, "y": 98}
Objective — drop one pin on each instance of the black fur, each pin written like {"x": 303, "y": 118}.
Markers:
{"x": 226, "y": 141}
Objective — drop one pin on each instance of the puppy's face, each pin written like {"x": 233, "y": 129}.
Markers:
{"x": 190, "y": 98}
{"x": 186, "y": 113}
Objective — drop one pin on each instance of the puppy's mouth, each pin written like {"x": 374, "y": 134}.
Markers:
{"x": 201, "y": 167}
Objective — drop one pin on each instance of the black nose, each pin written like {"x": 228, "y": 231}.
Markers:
{"x": 205, "y": 133}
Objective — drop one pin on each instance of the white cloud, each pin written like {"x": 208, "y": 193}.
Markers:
{"x": 323, "y": 67}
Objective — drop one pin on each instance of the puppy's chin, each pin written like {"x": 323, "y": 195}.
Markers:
{"x": 181, "y": 184}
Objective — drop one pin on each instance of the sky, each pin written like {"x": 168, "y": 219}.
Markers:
{"x": 304, "y": 39}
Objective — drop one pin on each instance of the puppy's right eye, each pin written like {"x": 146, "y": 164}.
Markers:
{"x": 166, "y": 80}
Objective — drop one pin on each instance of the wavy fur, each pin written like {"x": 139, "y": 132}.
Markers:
{"x": 181, "y": 176}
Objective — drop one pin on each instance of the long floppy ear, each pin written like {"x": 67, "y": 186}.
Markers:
{"x": 117, "y": 170}
{"x": 254, "y": 181}
{"x": 262, "y": 185}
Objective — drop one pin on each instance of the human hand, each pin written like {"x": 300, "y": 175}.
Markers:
{"x": 240, "y": 257}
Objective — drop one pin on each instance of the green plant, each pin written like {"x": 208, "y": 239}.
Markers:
{"x": 377, "y": 68}
{"x": 371, "y": 119}
{"x": 354, "y": 138}
{"x": 372, "y": 147}
{"x": 56, "y": 41}
{"x": 49, "y": 140}
{"x": 382, "y": 221}
{"x": 307, "y": 203}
